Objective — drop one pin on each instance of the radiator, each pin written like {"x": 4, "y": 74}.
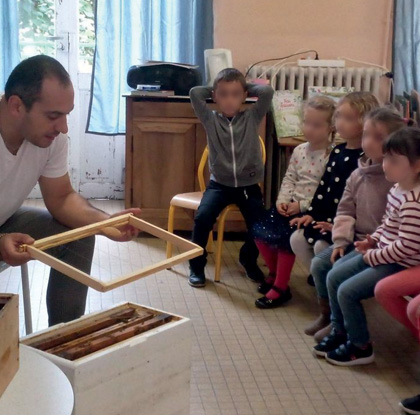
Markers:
{"x": 295, "y": 77}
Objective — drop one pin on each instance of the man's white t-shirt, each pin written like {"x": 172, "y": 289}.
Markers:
{"x": 19, "y": 173}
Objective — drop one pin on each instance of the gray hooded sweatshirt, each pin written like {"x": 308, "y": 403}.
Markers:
{"x": 234, "y": 149}
{"x": 362, "y": 205}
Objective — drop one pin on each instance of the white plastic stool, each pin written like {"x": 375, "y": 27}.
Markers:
{"x": 26, "y": 294}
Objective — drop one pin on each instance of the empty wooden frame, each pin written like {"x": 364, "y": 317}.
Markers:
{"x": 109, "y": 227}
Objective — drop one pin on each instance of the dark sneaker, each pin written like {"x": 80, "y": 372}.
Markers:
{"x": 266, "y": 303}
{"x": 411, "y": 405}
{"x": 350, "y": 355}
{"x": 329, "y": 343}
{"x": 197, "y": 280}
{"x": 253, "y": 272}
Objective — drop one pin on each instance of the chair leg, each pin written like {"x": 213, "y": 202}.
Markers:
{"x": 219, "y": 247}
{"x": 171, "y": 215}
{"x": 26, "y": 298}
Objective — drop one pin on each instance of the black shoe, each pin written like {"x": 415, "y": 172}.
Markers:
{"x": 310, "y": 280}
{"x": 253, "y": 272}
{"x": 197, "y": 280}
{"x": 265, "y": 303}
{"x": 350, "y": 355}
{"x": 411, "y": 405}
{"x": 265, "y": 287}
{"x": 329, "y": 343}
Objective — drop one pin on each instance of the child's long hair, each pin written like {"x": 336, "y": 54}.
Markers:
{"x": 325, "y": 104}
{"x": 362, "y": 102}
{"x": 388, "y": 117}
{"x": 405, "y": 142}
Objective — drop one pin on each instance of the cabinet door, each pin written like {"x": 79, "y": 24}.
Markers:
{"x": 163, "y": 166}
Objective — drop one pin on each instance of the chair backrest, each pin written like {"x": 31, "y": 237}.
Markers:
{"x": 205, "y": 156}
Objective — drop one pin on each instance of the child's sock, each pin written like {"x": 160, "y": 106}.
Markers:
{"x": 285, "y": 261}
{"x": 270, "y": 256}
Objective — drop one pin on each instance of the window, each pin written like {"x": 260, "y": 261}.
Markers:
{"x": 37, "y": 30}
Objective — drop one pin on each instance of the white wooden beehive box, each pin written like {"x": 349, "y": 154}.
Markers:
{"x": 129, "y": 360}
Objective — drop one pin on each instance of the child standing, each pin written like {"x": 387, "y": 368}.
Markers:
{"x": 394, "y": 245}
{"x": 360, "y": 210}
{"x": 390, "y": 293}
{"x": 235, "y": 161}
{"x": 307, "y": 164}
{"x": 314, "y": 229}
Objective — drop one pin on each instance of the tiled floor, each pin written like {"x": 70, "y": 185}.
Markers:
{"x": 245, "y": 360}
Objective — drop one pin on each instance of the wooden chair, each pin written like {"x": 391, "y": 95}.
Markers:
{"x": 26, "y": 294}
{"x": 192, "y": 201}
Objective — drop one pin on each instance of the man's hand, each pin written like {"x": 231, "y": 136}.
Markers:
{"x": 324, "y": 227}
{"x": 293, "y": 208}
{"x": 126, "y": 232}
{"x": 302, "y": 221}
{"x": 363, "y": 246}
{"x": 10, "y": 248}
{"x": 337, "y": 253}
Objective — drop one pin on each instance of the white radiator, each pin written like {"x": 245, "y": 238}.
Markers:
{"x": 295, "y": 77}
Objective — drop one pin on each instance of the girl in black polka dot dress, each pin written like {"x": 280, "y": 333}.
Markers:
{"x": 314, "y": 228}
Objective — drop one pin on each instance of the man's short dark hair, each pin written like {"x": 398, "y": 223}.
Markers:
{"x": 230, "y": 75}
{"x": 26, "y": 79}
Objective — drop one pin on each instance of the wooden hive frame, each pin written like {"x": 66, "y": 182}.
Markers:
{"x": 36, "y": 251}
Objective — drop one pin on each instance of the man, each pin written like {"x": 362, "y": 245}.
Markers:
{"x": 33, "y": 148}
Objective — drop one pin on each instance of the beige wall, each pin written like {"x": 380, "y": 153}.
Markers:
{"x": 261, "y": 29}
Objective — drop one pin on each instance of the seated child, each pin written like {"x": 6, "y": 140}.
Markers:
{"x": 390, "y": 293}
{"x": 394, "y": 245}
{"x": 360, "y": 210}
{"x": 235, "y": 161}
{"x": 314, "y": 229}
{"x": 272, "y": 231}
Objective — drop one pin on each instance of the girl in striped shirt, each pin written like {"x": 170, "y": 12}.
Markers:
{"x": 394, "y": 246}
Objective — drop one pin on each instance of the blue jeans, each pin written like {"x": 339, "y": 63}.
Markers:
{"x": 348, "y": 283}
{"x": 321, "y": 264}
{"x": 216, "y": 197}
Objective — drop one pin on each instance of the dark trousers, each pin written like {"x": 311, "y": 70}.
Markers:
{"x": 66, "y": 298}
{"x": 216, "y": 197}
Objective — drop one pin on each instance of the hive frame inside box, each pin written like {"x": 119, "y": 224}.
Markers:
{"x": 36, "y": 251}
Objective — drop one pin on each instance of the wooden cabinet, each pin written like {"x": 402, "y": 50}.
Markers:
{"x": 164, "y": 143}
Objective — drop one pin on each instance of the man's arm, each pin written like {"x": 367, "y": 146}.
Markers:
{"x": 72, "y": 210}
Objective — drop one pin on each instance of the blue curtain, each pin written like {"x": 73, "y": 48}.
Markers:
{"x": 9, "y": 39}
{"x": 130, "y": 31}
{"x": 406, "y": 48}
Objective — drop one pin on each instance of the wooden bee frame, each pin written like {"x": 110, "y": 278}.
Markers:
{"x": 36, "y": 251}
